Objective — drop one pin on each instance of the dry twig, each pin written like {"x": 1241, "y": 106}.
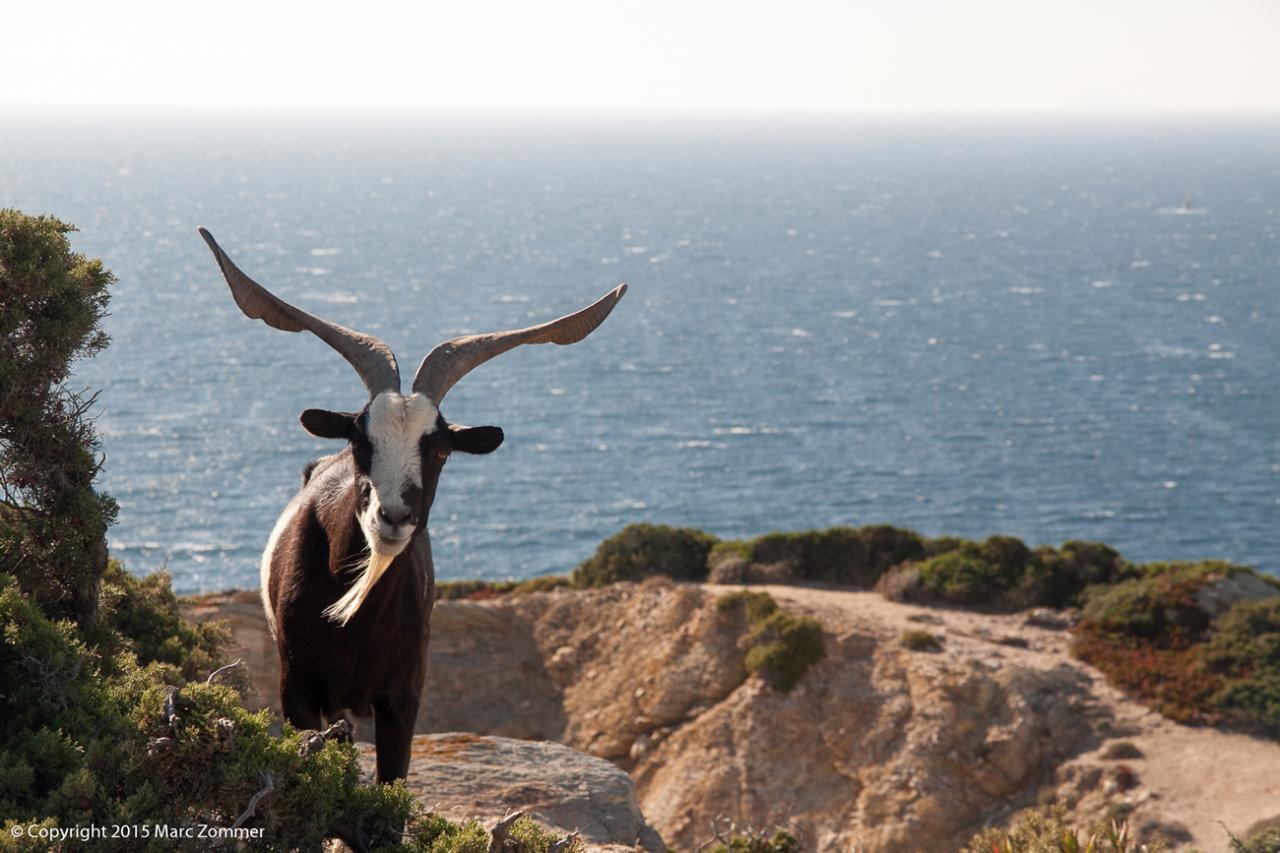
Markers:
{"x": 498, "y": 835}
{"x": 222, "y": 670}
{"x": 268, "y": 786}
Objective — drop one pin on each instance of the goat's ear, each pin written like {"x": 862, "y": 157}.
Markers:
{"x": 483, "y": 439}
{"x": 323, "y": 423}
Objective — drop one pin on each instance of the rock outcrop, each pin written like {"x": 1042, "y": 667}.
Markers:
{"x": 877, "y": 746}
{"x": 465, "y": 776}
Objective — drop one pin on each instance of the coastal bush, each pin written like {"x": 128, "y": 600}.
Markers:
{"x": 918, "y": 640}
{"x": 544, "y": 583}
{"x": 1058, "y": 578}
{"x": 1267, "y": 841}
{"x": 941, "y": 545}
{"x": 93, "y": 737}
{"x": 752, "y": 842}
{"x": 1036, "y": 831}
{"x": 1002, "y": 573}
{"x": 976, "y": 573}
{"x": 838, "y": 555}
{"x": 1122, "y": 751}
{"x": 757, "y": 606}
{"x": 478, "y": 590}
{"x": 1244, "y": 650}
{"x": 473, "y": 589}
{"x": 1160, "y": 637}
{"x": 1159, "y": 603}
{"x": 640, "y": 550}
{"x": 432, "y": 833}
{"x": 779, "y": 645}
{"x": 52, "y": 522}
{"x": 143, "y": 616}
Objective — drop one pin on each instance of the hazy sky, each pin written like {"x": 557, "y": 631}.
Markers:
{"x": 653, "y": 55}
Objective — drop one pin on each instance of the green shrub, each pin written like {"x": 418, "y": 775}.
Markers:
{"x": 838, "y": 555}
{"x": 1058, "y": 578}
{"x": 1036, "y": 831}
{"x": 80, "y": 744}
{"x": 526, "y": 836}
{"x": 920, "y": 641}
{"x": 757, "y": 606}
{"x": 52, "y": 523}
{"x": 545, "y": 583}
{"x": 942, "y": 544}
{"x": 976, "y": 573}
{"x": 640, "y": 550}
{"x": 472, "y": 589}
{"x": 1002, "y": 573}
{"x": 779, "y": 842}
{"x": 730, "y": 548}
{"x": 431, "y": 833}
{"x": 1151, "y": 637}
{"x": 143, "y": 616}
{"x": 1244, "y": 650}
{"x": 779, "y": 646}
{"x": 479, "y": 590}
{"x": 1122, "y": 751}
{"x": 1267, "y": 841}
{"x": 1158, "y": 603}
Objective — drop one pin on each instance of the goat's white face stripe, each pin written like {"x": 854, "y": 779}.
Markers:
{"x": 395, "y": 427}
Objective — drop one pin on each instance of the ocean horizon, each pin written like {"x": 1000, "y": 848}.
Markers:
{"x": 1055, "y": 329}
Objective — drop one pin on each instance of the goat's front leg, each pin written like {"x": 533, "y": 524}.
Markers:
{"x": 393, "y": 721}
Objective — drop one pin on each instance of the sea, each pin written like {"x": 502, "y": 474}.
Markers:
{"x": 1055, "y": 328}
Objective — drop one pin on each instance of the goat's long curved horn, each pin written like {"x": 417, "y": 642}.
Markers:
{"x": 454, "y": 359}
{"x": 371, "y": 358}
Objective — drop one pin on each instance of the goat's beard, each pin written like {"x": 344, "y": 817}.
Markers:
{"x": 372, "y": 563}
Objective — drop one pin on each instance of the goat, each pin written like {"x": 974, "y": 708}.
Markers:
{"x": 347, "y": 579}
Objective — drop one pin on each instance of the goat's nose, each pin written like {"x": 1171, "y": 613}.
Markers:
{"x": 394, "y": 517}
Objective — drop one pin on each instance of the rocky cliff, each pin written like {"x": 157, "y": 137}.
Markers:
{"x": 878, "y": 745}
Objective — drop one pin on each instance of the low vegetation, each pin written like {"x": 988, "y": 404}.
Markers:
{"x": 94, "y": 736}
{"x": 640, "y": 550}
{"x": 1035, "y": 831}
{"x": 846, "y": 556}
{"x": 479, "y": 590}
{"x": 1000, "y": 573}
{"x": 1047, "y": 831}
{"x": 780, "y": 646}
{"x": 918, "y": 640}
{"x": 779, "y": 841}
{"x": 1267, "y": 841}
{"x": 431, "y": 833}
{"x": 53, "y": 522}
{"x": 1166, "y": 637}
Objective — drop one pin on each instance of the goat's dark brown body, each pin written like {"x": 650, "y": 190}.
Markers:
{"x": 376, "y": 663}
